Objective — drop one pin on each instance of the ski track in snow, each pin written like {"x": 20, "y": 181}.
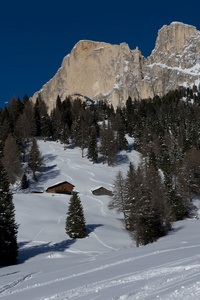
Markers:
{"x": 162, "y": 278}
{"x": 103, "y": 213}
{"x": 35, "y": 237}
{"x": 92, "y": 175}
{"x": 103, "y": 243}
{"x": 147, "y": 292}
{"x": 76, "y": 167}
{"x": 174, "y": 275}
{"x": 6, "y": 288}
{"x": 175, "y": 279}
{"x": 79, "y": 167}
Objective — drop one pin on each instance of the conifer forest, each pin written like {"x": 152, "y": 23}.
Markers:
{"x": 165, "y": 130}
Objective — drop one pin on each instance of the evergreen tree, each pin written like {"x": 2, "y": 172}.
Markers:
{"x": 75, "y": 221}
{"x": 103, "y": 146}
{"x": 119, "y": 200}
{"x": 80, "y": 129}
{"x": 191, "y": 170}
{"x": 108, "y": 144}
{"x": 141, "y": 197}
{"x": 25, "y": 127}
{"x": 120, "y": 133}
{"x": 76, "y": 131}
{"x": 151, "y": 215}
{"x": 130, "y": 188}
{"x": 130, "y": 116}
{"x": 24, "y": 182}
{"x": 46, "y": 126}
{"x": 5, "y": 128}
{"x": 11, "y": 159}
{"x": 56, "y": 122}
{"x": 37, "y": 118}
{"x": 8, "y": 227}
{"x": 25, "y": 99}
{"x": 14, "y": 110}
{"x": 64, "y": 134}
{"x": 134, "y": 190}
{"x": 92, "y": 146}
{"x": 66, "y": 112}
{"x": 1, "y": 148}
{"x": 41, "y": 117}
{"x": 35, "y": 158}
{"x": 58, "y": 103}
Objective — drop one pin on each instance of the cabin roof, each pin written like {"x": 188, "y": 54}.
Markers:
{"x": 60, "y": 183}
{"x": 101, "y": 188}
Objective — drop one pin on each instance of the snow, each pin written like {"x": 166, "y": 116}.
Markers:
{"x": 126, "y": 63}
{"x": 119, "y": 83}
{"x": 176, "y": 22}
{"x": 100, "y": 48}
{"x": 191, "y": 71}
{"x": 106, "y": 264}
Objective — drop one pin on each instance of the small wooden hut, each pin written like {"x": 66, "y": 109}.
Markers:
{"x": 61, "y": 188}
{"x": 102, "y": 192}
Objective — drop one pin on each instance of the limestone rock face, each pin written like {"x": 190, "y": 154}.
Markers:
{"x": 102, "y": 71}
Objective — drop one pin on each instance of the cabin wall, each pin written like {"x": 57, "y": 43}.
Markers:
{"x": 102, "y": 192}
{"x": 64, "y": 188}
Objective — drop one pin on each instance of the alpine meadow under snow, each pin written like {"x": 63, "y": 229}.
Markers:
{"x": 106, "y": 264}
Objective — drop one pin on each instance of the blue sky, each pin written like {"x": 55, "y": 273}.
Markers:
{"x": 35, "y": 35}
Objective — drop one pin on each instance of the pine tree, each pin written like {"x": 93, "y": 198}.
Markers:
{"x": 135, "y": 193}
{"x": 92, "y": 146}
{"x": 66, "y": 112}
{"x": 14, "y": 111}
{"x": 130, "y": 116}
{"x": 25, "y": 127}
{"x": 81, "y": 127}
{"x": 46, "y": 126}
{"x": 159, "y": 211}
{"x": 120, "y": 133}
{"x": 35, "y": 158}
{"x": 76, "y": 131}
{"x": 130, "y": 189}
{"x": 56, "y": 122}
{"x": 75, "y": 221}
{"x": 141, "y": 197}
{"x": 37, "y": 118}
{"x": 191, "y": 170}
{"x": 12, "y": 159}
{"x": 8, "y": 227}
{"x": 119, "y": 200}
{"x": 24, "y": 182}
{"x": 25, "y": 99}
{"x": 108, "y": 144}
{"x": 64, "y": 134}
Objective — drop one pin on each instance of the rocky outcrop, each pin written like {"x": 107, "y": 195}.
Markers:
{"x": 102, "y": 71}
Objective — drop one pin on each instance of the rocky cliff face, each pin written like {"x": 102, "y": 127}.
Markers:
{"x": 108, "y": 72}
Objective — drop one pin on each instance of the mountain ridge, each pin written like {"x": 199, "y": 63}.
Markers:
{"x": 103, "y": 71}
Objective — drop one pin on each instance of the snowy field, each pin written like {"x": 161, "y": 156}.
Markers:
{"x": 105, "y": 265}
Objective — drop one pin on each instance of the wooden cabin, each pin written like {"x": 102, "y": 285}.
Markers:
{"x": 61, "y": 188}
{"x": 102, "y": 192}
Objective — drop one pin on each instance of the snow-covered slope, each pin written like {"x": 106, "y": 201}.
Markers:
{"x": 106, "y": 265}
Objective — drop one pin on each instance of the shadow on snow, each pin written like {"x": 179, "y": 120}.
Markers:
{"x": 91, "y": 227}
{"x": 29, "y": 252}
{"x": 26, "y": 252}
{"x": 47, "y": 158}
{"x": 49, "y": 173}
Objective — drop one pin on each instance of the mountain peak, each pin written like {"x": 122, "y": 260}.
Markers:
{"x": 175, "y": 35}
{"x": 102, "y": 71}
